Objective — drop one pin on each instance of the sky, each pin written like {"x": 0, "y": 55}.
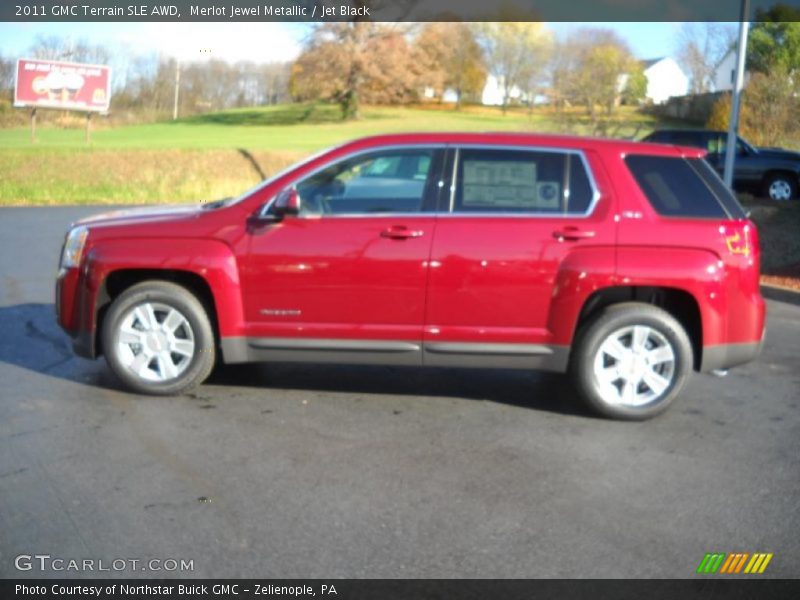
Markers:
{"x": 260, "y": 42}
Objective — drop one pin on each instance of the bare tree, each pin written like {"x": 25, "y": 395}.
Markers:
{"x": 58, "y": 48}
{"x": 144, "y": 84}
{"x": 7, "y": 68}
{"x": 701, "y": 47}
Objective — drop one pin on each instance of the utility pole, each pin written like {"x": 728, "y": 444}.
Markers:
{"x": 738, "y": 84}
{"x": 177, "y": 88}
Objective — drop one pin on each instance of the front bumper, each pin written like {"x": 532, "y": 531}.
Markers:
{"x": 71, "y": 313}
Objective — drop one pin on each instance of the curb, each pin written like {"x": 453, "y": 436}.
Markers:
{"x": 781, "y": 294}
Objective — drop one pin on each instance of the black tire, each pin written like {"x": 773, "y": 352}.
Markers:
{"x": 611, "y": 320}
{"x": 784, "y": 181}
{"x": 197, "y": 368}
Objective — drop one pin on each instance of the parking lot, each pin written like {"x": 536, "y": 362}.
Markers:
{"x": 302, "y": 471}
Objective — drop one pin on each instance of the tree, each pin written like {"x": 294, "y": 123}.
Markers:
{"x": 57, "y": 48}
{"x": 516, "y": 54}
{"x": 7, "y": 74}
{"x": 590, "y": 69}
{"x": 770, "y": 112}
{"x": 635, "y": 88}
{"x": 355, "y": 61}
{"x": 701, "y": 47}
{"x": 775, "y": 40}
{"x": 451, "y": 58}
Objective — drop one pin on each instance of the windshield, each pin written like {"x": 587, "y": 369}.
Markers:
{"x": 747, "y": 145}
{"x": 279, "y": 174}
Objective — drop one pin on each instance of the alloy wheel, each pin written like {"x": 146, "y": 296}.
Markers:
{"x": 634, "y": 366}
{"x": 155, "y": 342}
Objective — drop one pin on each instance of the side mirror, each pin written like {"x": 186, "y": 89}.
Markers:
{"x": 286, "y": 204}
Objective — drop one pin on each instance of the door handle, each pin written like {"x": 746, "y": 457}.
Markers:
{"x": 401, "y": 232}
{"x": 572, "y": 234}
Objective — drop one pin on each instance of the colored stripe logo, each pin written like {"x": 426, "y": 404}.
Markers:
{"x": 734, "y": 563}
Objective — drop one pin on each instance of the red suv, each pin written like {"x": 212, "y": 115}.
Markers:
{"x": 627, "y": 265}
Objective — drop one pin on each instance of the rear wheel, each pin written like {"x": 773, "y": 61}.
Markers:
{"x": 157, "y": 339}
{"x": 780, "y": 187}
{"x": 631, "y": 361}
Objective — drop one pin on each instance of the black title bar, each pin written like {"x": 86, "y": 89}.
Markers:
{"x": 318, "y": 11}
{"x": 389, "y": 589}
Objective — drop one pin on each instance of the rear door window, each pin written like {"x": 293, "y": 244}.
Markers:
{"x": 679, "y": 187}
{"x": 522, "y": 181}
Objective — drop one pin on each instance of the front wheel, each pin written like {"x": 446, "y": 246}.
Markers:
{"x": 157, "y": 339}
{"x": 631, "y": 361}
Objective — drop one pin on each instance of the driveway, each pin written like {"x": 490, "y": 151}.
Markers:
{"x": 303, "y": 471}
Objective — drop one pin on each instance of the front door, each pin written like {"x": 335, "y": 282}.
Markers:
{"x": 349, "y": 272}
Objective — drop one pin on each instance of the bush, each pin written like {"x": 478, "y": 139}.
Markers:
{"x": 769, "y": 112}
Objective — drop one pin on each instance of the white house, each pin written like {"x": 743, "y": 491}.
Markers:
{"x": 492, "y": 94}
{"x": 664, "y": 79}
{"x": 725, "y": 72}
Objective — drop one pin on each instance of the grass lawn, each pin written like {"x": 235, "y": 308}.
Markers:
{"x": 206, "y": 156}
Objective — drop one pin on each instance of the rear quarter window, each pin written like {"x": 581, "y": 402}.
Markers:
{"x": 675, "y": 188}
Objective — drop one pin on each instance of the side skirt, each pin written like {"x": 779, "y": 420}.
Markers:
{"x": 400, "y": 353}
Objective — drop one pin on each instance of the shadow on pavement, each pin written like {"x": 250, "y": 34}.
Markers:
{"x": 31, "y": 339}
{"x": 535, "y": 390}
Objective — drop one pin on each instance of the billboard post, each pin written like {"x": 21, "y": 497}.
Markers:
{"x": 33, "y": 125}
{"x": 64, "y": 86}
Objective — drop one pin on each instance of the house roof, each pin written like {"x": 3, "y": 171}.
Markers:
{"x": 646, "y": 64}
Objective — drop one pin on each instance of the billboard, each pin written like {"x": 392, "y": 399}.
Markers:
{"x": 62, "y": 85}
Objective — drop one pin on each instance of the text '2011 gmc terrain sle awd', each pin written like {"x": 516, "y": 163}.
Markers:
{"x": 626, "y": 265}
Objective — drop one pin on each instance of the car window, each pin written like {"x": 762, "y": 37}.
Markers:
{"x": 388, "y": 181}
{"x": 716, "y": 144}
{"x": 691, "y": 138}
{"x": 674, "y": 187}
{"x": 515, "y": 181}
{"x": 723, "y": 145}
{"x": 726, "y": 197}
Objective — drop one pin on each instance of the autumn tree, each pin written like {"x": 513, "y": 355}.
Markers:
{"x": 353, "y": 62}
{"x": 516, "y": 53}
{"x": 770, "y": 112}
{"x": 590, "y": 69}
{"x": 701, "y": 47}
{"x": 451, "y": 59}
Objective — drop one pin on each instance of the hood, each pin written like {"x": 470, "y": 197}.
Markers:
{"x": 779, "y": 153}
{"x": 141, "y": 214}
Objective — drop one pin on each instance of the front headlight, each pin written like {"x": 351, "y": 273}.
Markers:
{"x": 73, "y": 247}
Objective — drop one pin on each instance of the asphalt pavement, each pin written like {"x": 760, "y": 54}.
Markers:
{"x": 304, "y": 471}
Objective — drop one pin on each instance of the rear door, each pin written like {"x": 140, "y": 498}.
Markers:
{"x": 513, "y": 218}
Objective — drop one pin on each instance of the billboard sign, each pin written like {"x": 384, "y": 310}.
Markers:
{"x": 62, "y": 85}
